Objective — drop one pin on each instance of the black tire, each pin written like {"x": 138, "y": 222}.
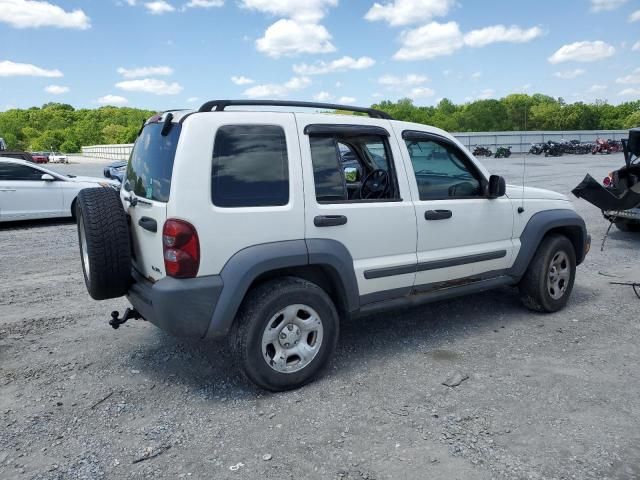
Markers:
{"x": 534, "y": 286}
{"x": 628, "y": 226}
{"x": 103, "y": 223}
{"x": 257, "y": 311}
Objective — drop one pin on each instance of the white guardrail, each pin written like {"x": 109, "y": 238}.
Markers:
{"x": 519, "y": 141}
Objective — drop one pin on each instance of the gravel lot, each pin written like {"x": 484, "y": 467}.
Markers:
{"x": 548, "y": 396}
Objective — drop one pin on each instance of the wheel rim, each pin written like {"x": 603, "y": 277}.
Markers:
{"x": 559, "y": 275}
{"x": 83, "y": 249}
{"x": 292, "y": 338}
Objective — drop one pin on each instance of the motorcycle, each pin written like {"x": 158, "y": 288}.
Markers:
{"x": 482, "y": 152}
{"x": 503, "y": 152}
{"x": 536, "y": 148}
{"x": 601, "y": 146}
{"x": 553, "y": 149}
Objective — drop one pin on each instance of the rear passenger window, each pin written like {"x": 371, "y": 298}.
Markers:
{"x": 250, "y": 167}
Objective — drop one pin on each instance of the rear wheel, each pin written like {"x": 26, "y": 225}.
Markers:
{"x": 548, "y": 282}
{"x": 285, "y": 333}
{"x": 105, "y": 248}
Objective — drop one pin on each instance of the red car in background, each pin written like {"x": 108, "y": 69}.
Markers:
{"x": 40, "y": 157}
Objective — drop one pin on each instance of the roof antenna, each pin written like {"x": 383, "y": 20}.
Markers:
{"x": 524, "y": 161}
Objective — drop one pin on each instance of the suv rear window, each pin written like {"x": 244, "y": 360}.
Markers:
{"x": 151, "y": 162}
{"x": 250, "y": 167}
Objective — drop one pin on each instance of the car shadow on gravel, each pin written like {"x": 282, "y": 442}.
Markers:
{"x": 208, "y": 370}
{"x": 27, "y": 224}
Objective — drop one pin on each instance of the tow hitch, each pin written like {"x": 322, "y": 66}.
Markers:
{"x": 115, "y": 322}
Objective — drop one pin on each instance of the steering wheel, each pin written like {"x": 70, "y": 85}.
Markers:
{"x": 375, "y": 185}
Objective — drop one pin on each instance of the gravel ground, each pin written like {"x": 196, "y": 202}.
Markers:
{"x": 547, "y": 396}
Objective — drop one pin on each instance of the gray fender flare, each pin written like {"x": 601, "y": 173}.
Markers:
{"x": 538, "y": 226}
{"x": 245, "y": 266}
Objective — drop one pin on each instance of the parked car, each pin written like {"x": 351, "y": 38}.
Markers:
{"x": 40, "y": 157}
{"x": 26, "y": 156}
{"x": 619, "y": 195}
{"x": 243, "y": 225}
{"x": 115, "y": 171}
{"x": 28, "y": 191}
{"x": 57, "y": 157}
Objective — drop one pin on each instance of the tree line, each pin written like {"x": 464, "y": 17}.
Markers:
{"x": 60, "y": 127}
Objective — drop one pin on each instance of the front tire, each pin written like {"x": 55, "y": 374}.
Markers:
{"x": 284, "y": 334}
{"x": 547, "y": 284}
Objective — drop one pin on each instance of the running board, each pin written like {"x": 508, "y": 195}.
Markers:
{"x": 437, "y": 295}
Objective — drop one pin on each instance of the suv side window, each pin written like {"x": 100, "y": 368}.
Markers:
{"x": 442, "y": 170}
{"x": 342, "y": 162}
{"x": 13, "y": 171}
{"x": 250, "y": 167}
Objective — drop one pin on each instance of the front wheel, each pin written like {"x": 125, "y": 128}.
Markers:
{"x": 285, "y": 333}
{"x": 548, "y": 281}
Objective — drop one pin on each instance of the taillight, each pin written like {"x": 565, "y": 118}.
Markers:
{"x": 181, "y": 249}
{"x": 608, "y": 180}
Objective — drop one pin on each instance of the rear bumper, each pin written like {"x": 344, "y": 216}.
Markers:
{"x": 181, "y": 307}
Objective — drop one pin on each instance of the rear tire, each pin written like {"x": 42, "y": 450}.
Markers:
{"x": 103, "y": 235}
{"x": 284, "y": 334}
{"x": 547, "y": 284}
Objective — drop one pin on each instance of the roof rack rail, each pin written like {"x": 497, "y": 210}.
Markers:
{"x": 220, "y": 105}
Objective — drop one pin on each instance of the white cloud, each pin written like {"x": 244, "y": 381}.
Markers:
{"x": 409, "y": 80}
{"x": 304, "y": 11}
{"x": 430, "y": 41}
{"x": 635, "y": 16}
{"x": 56, "y": 89}
{"x": 242, "y": 80}
{"x": 192, "y": 99}
{"x": 346, "y": 100}
{"x": 271, "y": 90}
{"x": 632, "y": 79}
{"x": 636, "y": 47}
{"x": 131, "y": 3}
{"x": 500, "y": 33}
{"x": 605, "y": 5}
{"x": 583, "y": 52}
{"x": 34, "y": 14}
{"x": 421, "y": 92}
{"x": 115, "y": 100}
{"x": 405, "y": 12}
{"x": 12, "y": 69}
{"x": 569, "y": 74}
{"x": 150, "y": 85}
{"x": 323, "y": 97}
{"x": 486, "y": 94}
{"x": 290, "y": 37}
{"x": 340, "y": 65}
{"x": 144, "y": 71}
{"x": 158, "y": 7}
{"x": 630, "y": 92}
{"x": 204, "y": 4}
{"x": 476, "y": 75}
{"x": 596, "y": 88}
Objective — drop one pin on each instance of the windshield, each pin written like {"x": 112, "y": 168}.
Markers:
{"x": 151, "y": 163}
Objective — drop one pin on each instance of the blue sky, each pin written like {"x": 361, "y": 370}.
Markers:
{"x": 162, "y": 54}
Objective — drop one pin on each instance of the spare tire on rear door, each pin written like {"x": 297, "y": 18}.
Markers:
{"x": 105, "y": 249}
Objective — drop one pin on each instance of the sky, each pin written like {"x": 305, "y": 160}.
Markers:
{"x": 162, "y": 54}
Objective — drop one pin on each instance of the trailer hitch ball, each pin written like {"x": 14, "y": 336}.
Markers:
{"x": 115, "y": 322}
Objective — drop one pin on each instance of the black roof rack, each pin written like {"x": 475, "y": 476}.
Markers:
{"x": 220, "y": 105}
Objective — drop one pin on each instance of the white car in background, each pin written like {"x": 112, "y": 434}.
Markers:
{"x": 29, "y": 192}
{"x": 56, "y": 157}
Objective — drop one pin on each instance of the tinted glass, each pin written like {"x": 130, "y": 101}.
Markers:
{"x": 441, "y": 171}
{"x": 12, "y": 171}
{"x": 250, "y": 167}
{"x": 151, "y": 163}
{"x": 328, "y": 161}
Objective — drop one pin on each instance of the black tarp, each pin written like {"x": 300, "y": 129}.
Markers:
{"x": 605, "y": 199}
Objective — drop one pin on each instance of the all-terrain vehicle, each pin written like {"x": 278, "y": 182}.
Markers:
{"x": 270, "y": 227}
{"x": 619, "y": 195}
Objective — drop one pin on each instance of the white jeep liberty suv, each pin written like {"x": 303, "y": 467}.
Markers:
{"x": 268, "y": 227}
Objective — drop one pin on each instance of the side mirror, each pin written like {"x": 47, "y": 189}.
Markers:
{"x": 351, "y": 174}
{"x": 497, "y": 186}
{"x": 47, "y": 178}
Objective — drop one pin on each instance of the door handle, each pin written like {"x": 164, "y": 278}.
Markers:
{"x": 329, "y": 220}
{"x": 437, "y": 214}
{"x": 148, "y": 224}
